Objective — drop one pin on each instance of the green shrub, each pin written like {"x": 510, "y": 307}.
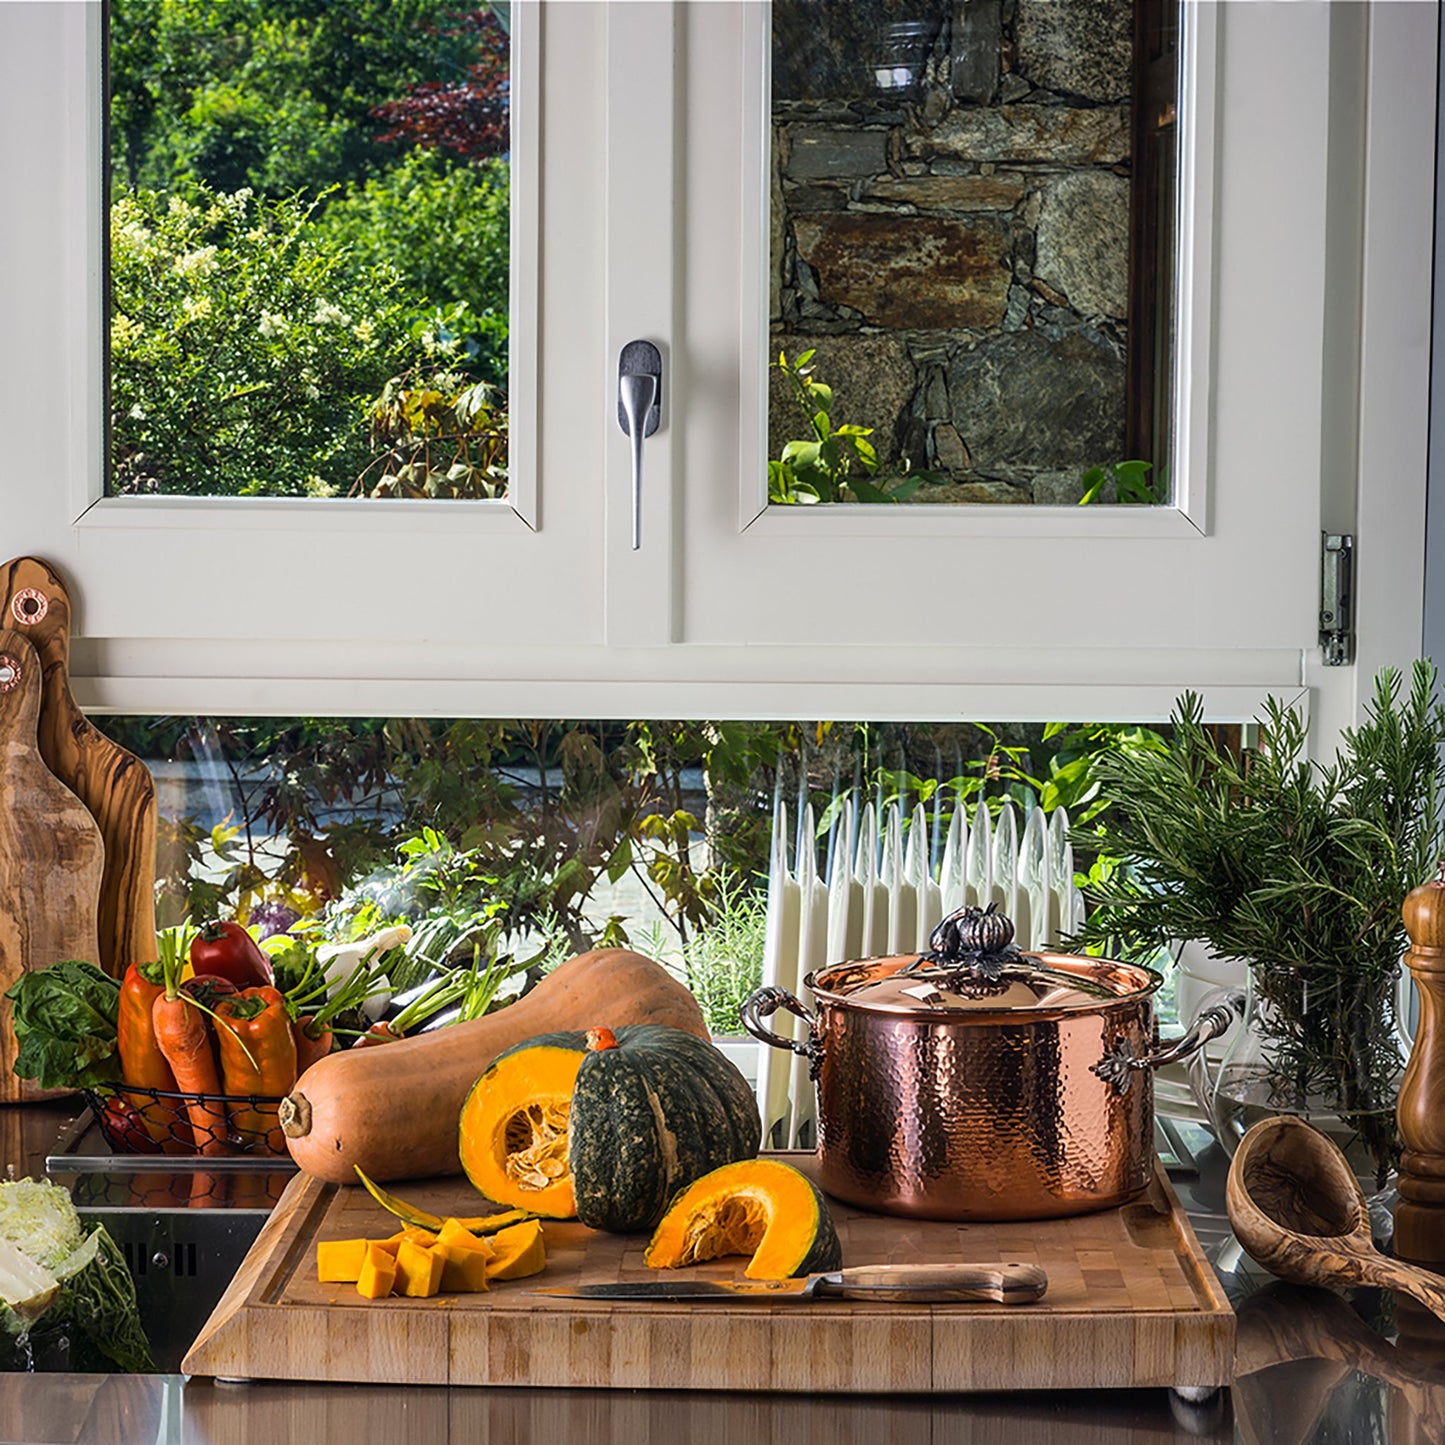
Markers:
{"x": 245, "y": 343}
{"x": 436, "y": 436}
{"x": 276, "y": 95}
{"x": 442, "y": 226}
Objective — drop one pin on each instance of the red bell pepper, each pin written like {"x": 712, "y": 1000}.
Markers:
{"x": 126, "y": 1127}
{"x": 225, "y": 948}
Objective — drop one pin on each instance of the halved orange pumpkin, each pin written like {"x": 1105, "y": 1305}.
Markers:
{"x": 519, "y": 1152}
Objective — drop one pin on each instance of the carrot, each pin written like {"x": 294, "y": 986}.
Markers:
{"x": 209, "y": 1191}
{"x": 141, "y": 1061}
{"x": 183, "y": 1038}
{"x": 258, "y": 1057}
{"x": 310, "y": 1046}
{"x": 378, "y": 1033}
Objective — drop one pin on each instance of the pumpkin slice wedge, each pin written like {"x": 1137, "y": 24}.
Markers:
{"x": 521, "y": 1252}
{"x": 757, "y": 1207}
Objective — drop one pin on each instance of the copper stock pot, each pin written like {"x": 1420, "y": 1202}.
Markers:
{"x": 981, "y": 1082}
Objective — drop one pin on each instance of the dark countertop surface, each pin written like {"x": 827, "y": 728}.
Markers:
{"x": 1312, "y": 1366}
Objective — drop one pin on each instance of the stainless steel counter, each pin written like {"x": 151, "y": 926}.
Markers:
{"x": 1313, "y": 1366}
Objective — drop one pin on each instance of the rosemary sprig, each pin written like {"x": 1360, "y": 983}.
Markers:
{"x": 1297, "y": 867}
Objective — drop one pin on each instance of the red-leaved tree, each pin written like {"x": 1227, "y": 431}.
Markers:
{"x": 467, "y": 117}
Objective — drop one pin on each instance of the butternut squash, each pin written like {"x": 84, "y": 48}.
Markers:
{"x": 394, "y": 1111}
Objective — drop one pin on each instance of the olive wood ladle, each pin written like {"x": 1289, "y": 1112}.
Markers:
{"x": 1297, "y": 1209}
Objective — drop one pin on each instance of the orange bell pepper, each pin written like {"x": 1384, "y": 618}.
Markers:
{"x": 141, "y": 1061}
{"x": 258, "y": 1058}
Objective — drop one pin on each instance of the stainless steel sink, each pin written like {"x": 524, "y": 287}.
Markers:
{"x": 184, "y": 1231}
{"x": 182, "y": 1261}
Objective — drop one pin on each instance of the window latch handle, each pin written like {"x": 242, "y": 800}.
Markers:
{"x": 639, "y": 412}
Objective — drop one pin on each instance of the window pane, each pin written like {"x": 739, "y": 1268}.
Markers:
{"x": 972, "y": 255}
{"x": 538, "y": 839}
{"x": 308, "y": 258}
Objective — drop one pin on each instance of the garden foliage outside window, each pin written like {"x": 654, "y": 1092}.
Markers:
{"x": 308, "y": 248}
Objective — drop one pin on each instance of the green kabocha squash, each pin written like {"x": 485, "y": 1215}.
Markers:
{"x": 605, "y": 1126}
{"x": 761, "y": 1208}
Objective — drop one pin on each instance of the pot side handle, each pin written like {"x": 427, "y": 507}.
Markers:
{"x": 1119, "y": 1067}
{"x": 764, "y": 1003}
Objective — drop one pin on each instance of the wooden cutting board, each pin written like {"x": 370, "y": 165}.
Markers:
{"x": 51, "y": 853}
{"x": 1131, "y": 1302}
{"x": 113, "y": 784}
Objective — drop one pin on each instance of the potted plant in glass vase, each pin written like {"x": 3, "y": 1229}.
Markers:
{"x": 1299, "y": 869}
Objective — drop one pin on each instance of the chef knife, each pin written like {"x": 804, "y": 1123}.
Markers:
{"x": 1005, "y": 1284}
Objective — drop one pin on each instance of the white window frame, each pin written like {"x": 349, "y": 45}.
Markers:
{"x": 1187, "y": 512}
{"x": 353, "y": 603}
{"x": 606, "y": 632}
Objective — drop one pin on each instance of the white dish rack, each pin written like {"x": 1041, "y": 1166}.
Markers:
{"x": 888, "y": 881}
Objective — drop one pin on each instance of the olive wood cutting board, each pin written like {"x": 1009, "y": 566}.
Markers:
{"x": 114, "y": 784}
{"x": 1131, "y": 1302}
{"x": 51, "y": 854}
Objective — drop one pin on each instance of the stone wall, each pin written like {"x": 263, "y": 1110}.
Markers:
{"x": 956, "y": 249}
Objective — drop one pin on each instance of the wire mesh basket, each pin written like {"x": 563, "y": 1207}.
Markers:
{"x": 161, "y": 1121}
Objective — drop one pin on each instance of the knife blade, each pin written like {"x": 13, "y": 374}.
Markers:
{"x": 882, "y": 1283}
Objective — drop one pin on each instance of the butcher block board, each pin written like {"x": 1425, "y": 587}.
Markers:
{"x": 1131, "y": 1302}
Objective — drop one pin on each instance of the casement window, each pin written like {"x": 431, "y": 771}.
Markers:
{"x": 643, "y": 167}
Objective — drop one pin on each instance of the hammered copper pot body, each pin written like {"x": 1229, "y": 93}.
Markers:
{"x": 983, "y": 1116}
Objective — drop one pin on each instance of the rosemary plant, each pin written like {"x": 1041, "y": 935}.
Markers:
{"x": 1296, "y": 867}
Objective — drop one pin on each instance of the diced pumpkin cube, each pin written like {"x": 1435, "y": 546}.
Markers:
{"x": 423, "y": 1237}
{"x": 520, "y": 1251}
{"x": 378, "y": 1272}
{"x": 453, "y": 1231}
{"x": 464, "y": 1270}
{"x": 339, "y": 1261}
{"x": 418, "y": 1269}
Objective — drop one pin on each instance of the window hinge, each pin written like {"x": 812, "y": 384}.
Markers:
{"x": 1337, "y": 598}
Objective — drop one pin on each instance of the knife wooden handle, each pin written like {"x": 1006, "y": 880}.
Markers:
{"x": 936, "y": 1283}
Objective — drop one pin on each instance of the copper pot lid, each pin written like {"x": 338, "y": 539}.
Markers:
{"x": 975, "y": 967}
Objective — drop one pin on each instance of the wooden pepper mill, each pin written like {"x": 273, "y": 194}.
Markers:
{"x": 1420, "y": 1111}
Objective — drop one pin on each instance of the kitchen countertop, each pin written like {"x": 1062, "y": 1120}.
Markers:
{"x": 1312, "y": 1366}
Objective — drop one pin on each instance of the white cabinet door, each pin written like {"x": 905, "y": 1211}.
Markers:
{"x": 1040, "y": 611}
{"x": 279, "y": 604}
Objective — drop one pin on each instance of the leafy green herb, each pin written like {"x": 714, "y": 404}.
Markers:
{"x": 65, "y": 1025}
{"x": 827, "y": 467}
{"x": 1299, "y": 868}
{"x": 294, "y": 966}
{"x": 1132, "y": 484}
